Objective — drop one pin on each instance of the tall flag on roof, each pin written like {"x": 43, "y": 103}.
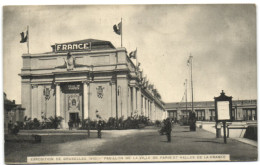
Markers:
{"x": 118, "y": 29}
{"x": 133, "y": 54}
{"x": 25, "y": 37}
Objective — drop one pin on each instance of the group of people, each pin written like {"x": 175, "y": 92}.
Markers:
{"x": 166, "y": 128}
{"x": 99, "y": 126}
{"x": 72, "y": 123}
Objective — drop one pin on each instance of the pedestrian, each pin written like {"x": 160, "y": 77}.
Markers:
{"x": 10, "y": 126}
{"x": 70, "y": 124}
{"x": 15, "y": 129}
{"x": 168, "y": 129}
{"x": 99, "y": 128}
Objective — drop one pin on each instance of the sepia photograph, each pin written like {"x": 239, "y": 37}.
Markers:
{"x": 129, "y": 83}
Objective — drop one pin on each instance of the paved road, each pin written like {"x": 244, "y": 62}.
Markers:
{"x": 136, "y": 142}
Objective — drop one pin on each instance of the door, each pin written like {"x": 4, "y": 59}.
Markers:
{"x": 74, "y": 117}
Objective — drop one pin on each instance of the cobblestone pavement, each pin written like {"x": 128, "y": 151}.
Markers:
{"x": 135, "y": 142}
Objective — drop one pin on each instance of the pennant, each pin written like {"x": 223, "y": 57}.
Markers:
{"x": 118, "y": 28}
{"x": 189, "y": 61}
{"x": 133, "y": 54}
{"x": 24, "y": 37}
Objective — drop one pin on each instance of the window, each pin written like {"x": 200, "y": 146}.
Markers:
{"x": 212, "y": 115}
{"x": 249, "y": 114}
{"x": 200, "y": 114}
{"x": 233, "y": 114}
{"x": 185, "y": 113}
{"x": 172, "y": 114}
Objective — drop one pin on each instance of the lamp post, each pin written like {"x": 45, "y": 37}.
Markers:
{"x": 192, "y": 115}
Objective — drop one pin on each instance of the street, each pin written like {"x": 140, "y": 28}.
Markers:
{"x": 135, "y": 142}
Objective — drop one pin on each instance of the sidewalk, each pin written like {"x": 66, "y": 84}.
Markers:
{"x": 131, "y": 142}
{"x": 243, "y": 140}
{"x": 247, "y": 141}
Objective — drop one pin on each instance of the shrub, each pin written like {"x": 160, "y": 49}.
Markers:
{"x": 35, "y": 123}
{"x": 55, "y": 121}
{"x": 111, "y": 123}
{"x": 157, "y": 123}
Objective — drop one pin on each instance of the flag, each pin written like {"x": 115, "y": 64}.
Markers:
{"x": 146, "y": 84}
{"x": 138, "y": 66}
{"x": 118, "y": 28}
{"x": 144, "y": 80}
{"x": 189, "y": 61}
{"x": 182, "y": 100}
{"x": 24, "y": 37}
{"x": 141, "y": 75}
{"x": 133, "y": 54}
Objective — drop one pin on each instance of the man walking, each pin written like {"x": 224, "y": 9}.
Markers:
{"x": 99, "y": 128}
{"x": 168, "y": 129}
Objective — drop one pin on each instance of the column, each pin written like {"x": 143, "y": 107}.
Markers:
{"x": 113, "y": 99}
{"x": 134, "y": 100}
{"x": 151, "y": 112}
{"x": 142, "y": 105}
{"x": 57, "y": 99}
{"x": 155, "y": 112}
{"x": 138, "y": 103}
{"x": 85, "y": 100}
{"x": 34, "y": 101}
{"x": 131, "y": 107}
{"x": 145, "y": 107}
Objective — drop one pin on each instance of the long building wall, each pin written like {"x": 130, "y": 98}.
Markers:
{"x": 205, "y": 111}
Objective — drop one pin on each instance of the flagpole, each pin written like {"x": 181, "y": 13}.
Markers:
{"x": 191, "y": 82}
{"x": 186, "y": 98}
{"x": 121, "y": 32}
{"x": 136, "y": 59}
{"x": 28, "y": 39}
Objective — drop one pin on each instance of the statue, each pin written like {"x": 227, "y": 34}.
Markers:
{"x": 70, "y": 61}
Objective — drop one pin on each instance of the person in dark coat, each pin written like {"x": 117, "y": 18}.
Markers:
{"x": 168, "y": 129}
{"x": 99, "y": 128}
{"x": 10, "y": 126}
{"x": 15, "y": 129}
{"x": 70, "y": 123}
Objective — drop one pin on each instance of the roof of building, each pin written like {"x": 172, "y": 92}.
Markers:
{"x": 197, "y": 104}
{"x": 10, "y": 105}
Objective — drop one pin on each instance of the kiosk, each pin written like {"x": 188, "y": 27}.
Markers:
{"x": 223, "y": 107}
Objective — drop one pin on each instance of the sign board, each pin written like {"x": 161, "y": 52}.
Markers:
{"x": 223, "y": 110}
{"x": 65, "y": 47}
{"x": 223, "y": 106}
{"x": 72, "y": 88}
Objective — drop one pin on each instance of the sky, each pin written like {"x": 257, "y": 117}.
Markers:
{"x": 221, "y": 39}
